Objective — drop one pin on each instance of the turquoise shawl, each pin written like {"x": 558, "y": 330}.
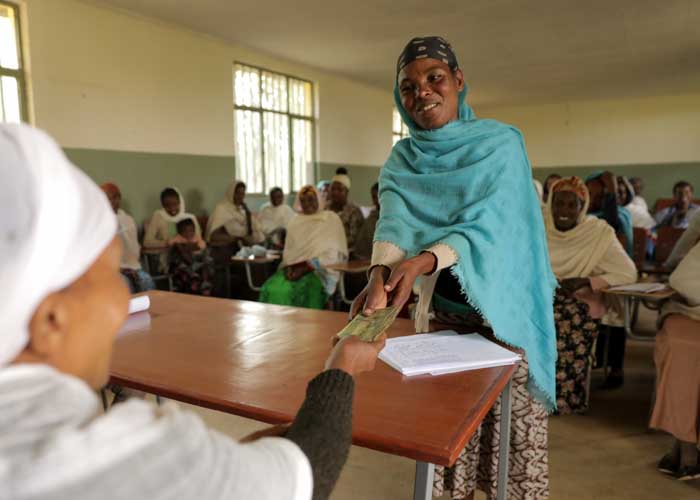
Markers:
{"x": 469, "y": 185}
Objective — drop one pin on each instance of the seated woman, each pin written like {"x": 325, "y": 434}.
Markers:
{"x": 58, "y": 325}
{"x": 232, "y": 224}
{"x": 586, "y": 257}
{"x": 349, "y": 213}
{"x": 315, "y": 240}
{"x": 677, "y": 358}
{"x": 189, "y": 262}
{"x": 603, "y": 191}
{"x": 604, "y": 204}
{"x": 635, "y": 205}
{"x": 274, "y": 218}
{"x": 162, "y": 226}
{"x": 136, "y": 278}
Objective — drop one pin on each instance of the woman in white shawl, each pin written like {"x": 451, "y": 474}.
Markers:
{"x": 232, "y": 223}
{"x": 67, "y": 302}
{"x": 677, "y": 358}
{"x": 315, "y": 240}
{"x": 274, "y": 218}
{"x": 162, "y": 226}
{"x": 586, "y": 257}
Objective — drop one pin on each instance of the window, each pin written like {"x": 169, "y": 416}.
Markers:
{"x": 12, "y": 103}
{"x": 274, "y": 123}
{"x": 399, "y": 128}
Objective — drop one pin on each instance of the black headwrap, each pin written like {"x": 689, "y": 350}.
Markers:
{"x": 433, "y": 47}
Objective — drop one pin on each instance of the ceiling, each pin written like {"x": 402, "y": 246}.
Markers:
{"x": 511, "y": 51}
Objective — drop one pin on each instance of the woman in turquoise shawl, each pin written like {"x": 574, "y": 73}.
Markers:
{"x": 458, "y": 194}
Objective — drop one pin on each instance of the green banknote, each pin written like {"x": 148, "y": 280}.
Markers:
{"x": 368, "y": 328}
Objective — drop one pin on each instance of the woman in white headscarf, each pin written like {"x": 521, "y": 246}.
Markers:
{"x": 232, "y": 222}
{"x": 586, "y": 257}
{"x": 60, "y": 260}
{"x": 274, "y": 218}
{"x": 677, "y": 359}
{"x": 315, "y": 240}
{"x": 162, "y": 227}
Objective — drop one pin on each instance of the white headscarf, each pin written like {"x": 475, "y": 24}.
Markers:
{"x": 342, "y": 179}
{"x": 55, "y": 224}
{"x": 318, "y": 236}
{"x": 576, "y": 252}
{"x": 178, "y": 216}
{"x": 225, "y": 210}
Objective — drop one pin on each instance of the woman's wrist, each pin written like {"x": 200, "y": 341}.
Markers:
{"x": 428, "y": 262}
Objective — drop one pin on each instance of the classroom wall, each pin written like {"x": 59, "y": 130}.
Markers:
{"x": 148, "y": 104}
{"x": 656, "y": 138}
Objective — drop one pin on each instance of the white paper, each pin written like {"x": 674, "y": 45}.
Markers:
{"x": 139, "y": 304}
{"x": 641, "y": 287}
{"x": 444, "y": 352}
{"x": 135, "y": 322}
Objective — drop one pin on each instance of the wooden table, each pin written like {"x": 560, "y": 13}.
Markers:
{"x": 351, "y": 267}
{"x": 255, "y": 360}
{"x": 255, "y": 260}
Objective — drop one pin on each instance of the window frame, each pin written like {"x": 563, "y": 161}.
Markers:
{"x": 290, "y": 116}
{"x": 397, "y": 135}
{"x": 18, "y": 73}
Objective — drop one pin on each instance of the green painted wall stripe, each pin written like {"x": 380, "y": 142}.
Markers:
{"x": 203, "y": 179}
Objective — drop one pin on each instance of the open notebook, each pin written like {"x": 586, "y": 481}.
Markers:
{"x": 444, "y": 352}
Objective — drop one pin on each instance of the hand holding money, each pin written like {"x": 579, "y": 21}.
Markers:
{"x": 354, "y": 356}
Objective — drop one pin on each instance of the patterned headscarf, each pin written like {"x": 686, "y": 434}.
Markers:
{"x": 573, "y": 184}
{"x": 427, "y": 47}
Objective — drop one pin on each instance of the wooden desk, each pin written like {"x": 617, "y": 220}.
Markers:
{"x": 653, "y": 301}
{"x": 247, "y": 262}
{"x": 255, "y": 360}
{"x": 351, "y": 267}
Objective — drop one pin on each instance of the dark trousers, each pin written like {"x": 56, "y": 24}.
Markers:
{"x": 618, "y": 341}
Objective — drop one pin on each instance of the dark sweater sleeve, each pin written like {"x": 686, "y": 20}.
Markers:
{"x": 610, "y": 212}
{"x": 323, "y": 428}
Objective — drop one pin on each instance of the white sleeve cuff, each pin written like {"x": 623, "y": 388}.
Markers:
{"x": 446, "y": 256}
{"x": 386, "y": 254}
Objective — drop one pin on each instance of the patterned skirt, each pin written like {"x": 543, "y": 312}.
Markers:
{"x": 477, "y": 465}
{"x": 193, "y": 277}
{"x": 576, "y": 336}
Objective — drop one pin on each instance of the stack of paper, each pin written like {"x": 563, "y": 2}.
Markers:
{"x": 444, "y": 352}
{"x": 641, "y": 287}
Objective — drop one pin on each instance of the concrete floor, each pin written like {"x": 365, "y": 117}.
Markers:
{"x": 607, "y": 454}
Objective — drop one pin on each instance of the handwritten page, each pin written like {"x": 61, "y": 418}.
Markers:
{"x": 444, "y": 352}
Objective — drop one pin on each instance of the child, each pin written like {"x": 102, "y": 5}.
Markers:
{"x": 189, "y": 262}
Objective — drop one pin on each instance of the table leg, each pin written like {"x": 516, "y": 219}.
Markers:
{"x": 423, "y": 485}
{"x": 341, "y": 289}
{"x": 249, "y": 276}
{"x": 504, "y": 444}
{"x": 628, "y": 320}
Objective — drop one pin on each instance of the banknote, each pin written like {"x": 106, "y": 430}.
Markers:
{"x": 368, "y": 328}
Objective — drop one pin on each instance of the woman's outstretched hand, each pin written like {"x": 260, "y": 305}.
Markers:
{"x": 394, "y": 290}
{"x": 400, "y": 283}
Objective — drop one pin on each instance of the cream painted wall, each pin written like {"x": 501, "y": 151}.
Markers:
{"x": 650, "y": 130}
{"x": 105, "y": 79}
